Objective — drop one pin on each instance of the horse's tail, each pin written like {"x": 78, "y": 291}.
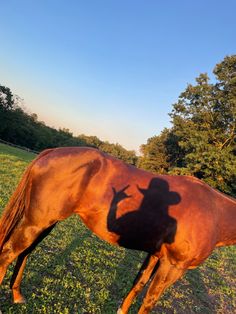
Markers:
{"x": 19, "y": 201}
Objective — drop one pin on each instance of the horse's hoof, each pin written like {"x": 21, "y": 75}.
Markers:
{"x": 20, "y": 300}
{"x": 120, "y": 311}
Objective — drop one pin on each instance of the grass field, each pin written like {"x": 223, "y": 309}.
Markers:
{"x": 72, "y": 271}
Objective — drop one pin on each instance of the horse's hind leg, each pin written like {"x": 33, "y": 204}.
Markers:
{"x": 21, "y": 239}
{"x": 20, "y": 265}
{"x": 17, "y": 277}
{"x": 165, "y": 275}
{"x": 140, "y": 281}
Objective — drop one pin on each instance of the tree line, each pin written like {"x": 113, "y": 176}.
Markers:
{"x": 24, "y": 129}
{"x": 201, "y": 141}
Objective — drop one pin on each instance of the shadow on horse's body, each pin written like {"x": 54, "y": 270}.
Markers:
{"x": 178, "y": 220}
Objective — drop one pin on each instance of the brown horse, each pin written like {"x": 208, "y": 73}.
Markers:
{"x": 178, "y": 220}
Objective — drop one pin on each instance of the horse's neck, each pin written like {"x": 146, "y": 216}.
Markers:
{"x": 227, "y": 221}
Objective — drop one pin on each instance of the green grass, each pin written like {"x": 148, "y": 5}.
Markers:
{"x": 72, "y": 271}
{"x": 16, "y": 152}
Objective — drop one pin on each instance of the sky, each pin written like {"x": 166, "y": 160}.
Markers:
{"x": 110, "y": 68}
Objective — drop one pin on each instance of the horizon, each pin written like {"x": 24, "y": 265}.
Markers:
{"x": 108, "y": 69}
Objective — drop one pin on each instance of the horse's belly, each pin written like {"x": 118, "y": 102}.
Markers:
{"x": 97, "y": 223}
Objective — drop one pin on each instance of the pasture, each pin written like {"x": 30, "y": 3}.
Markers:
{"x": 72, "y": 271}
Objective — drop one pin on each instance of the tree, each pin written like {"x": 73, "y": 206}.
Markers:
{"x": 120, "y": 152}
{"x": 154, "y": 154}
{"x": 6, "y": 99}
{"x": 204, "y": 125}
{"x": 201, "y": 141}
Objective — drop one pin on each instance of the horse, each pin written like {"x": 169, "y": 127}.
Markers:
{"x": 177, "y": 220}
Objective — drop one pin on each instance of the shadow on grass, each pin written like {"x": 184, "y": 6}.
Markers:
{"x": 126, "y": 272}
{"x": 60, "y": 259}
{"x": 200, "y": 293}
{"x": 188, "y": 295}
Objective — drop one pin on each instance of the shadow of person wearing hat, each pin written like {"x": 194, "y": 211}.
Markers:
{"x": 148, "y": 226}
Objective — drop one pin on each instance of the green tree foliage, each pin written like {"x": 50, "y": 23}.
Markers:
{"x": 154, "y": 154}
{"x": 21, "y": 128}
{"x": 115, "y": 150}
{"x": 6, "y": 107}
{"x": 120, "y": 152}
{"x": 6, "y": 99}
{"x": 202, "y": 139}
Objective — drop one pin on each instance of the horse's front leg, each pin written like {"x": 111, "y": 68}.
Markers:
{"x": 140, "y": 281}
{"x": 165, "y": 275}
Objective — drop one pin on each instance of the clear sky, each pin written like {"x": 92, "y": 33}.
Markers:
{"x": 111, "y": 68}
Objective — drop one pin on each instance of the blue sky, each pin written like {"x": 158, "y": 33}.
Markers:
{"x": 110, "y": 68}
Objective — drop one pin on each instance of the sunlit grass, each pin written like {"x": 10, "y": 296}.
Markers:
{"x": 72, "y": 271}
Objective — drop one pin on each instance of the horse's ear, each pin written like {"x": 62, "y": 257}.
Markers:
{"x": 114, "y": 191}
